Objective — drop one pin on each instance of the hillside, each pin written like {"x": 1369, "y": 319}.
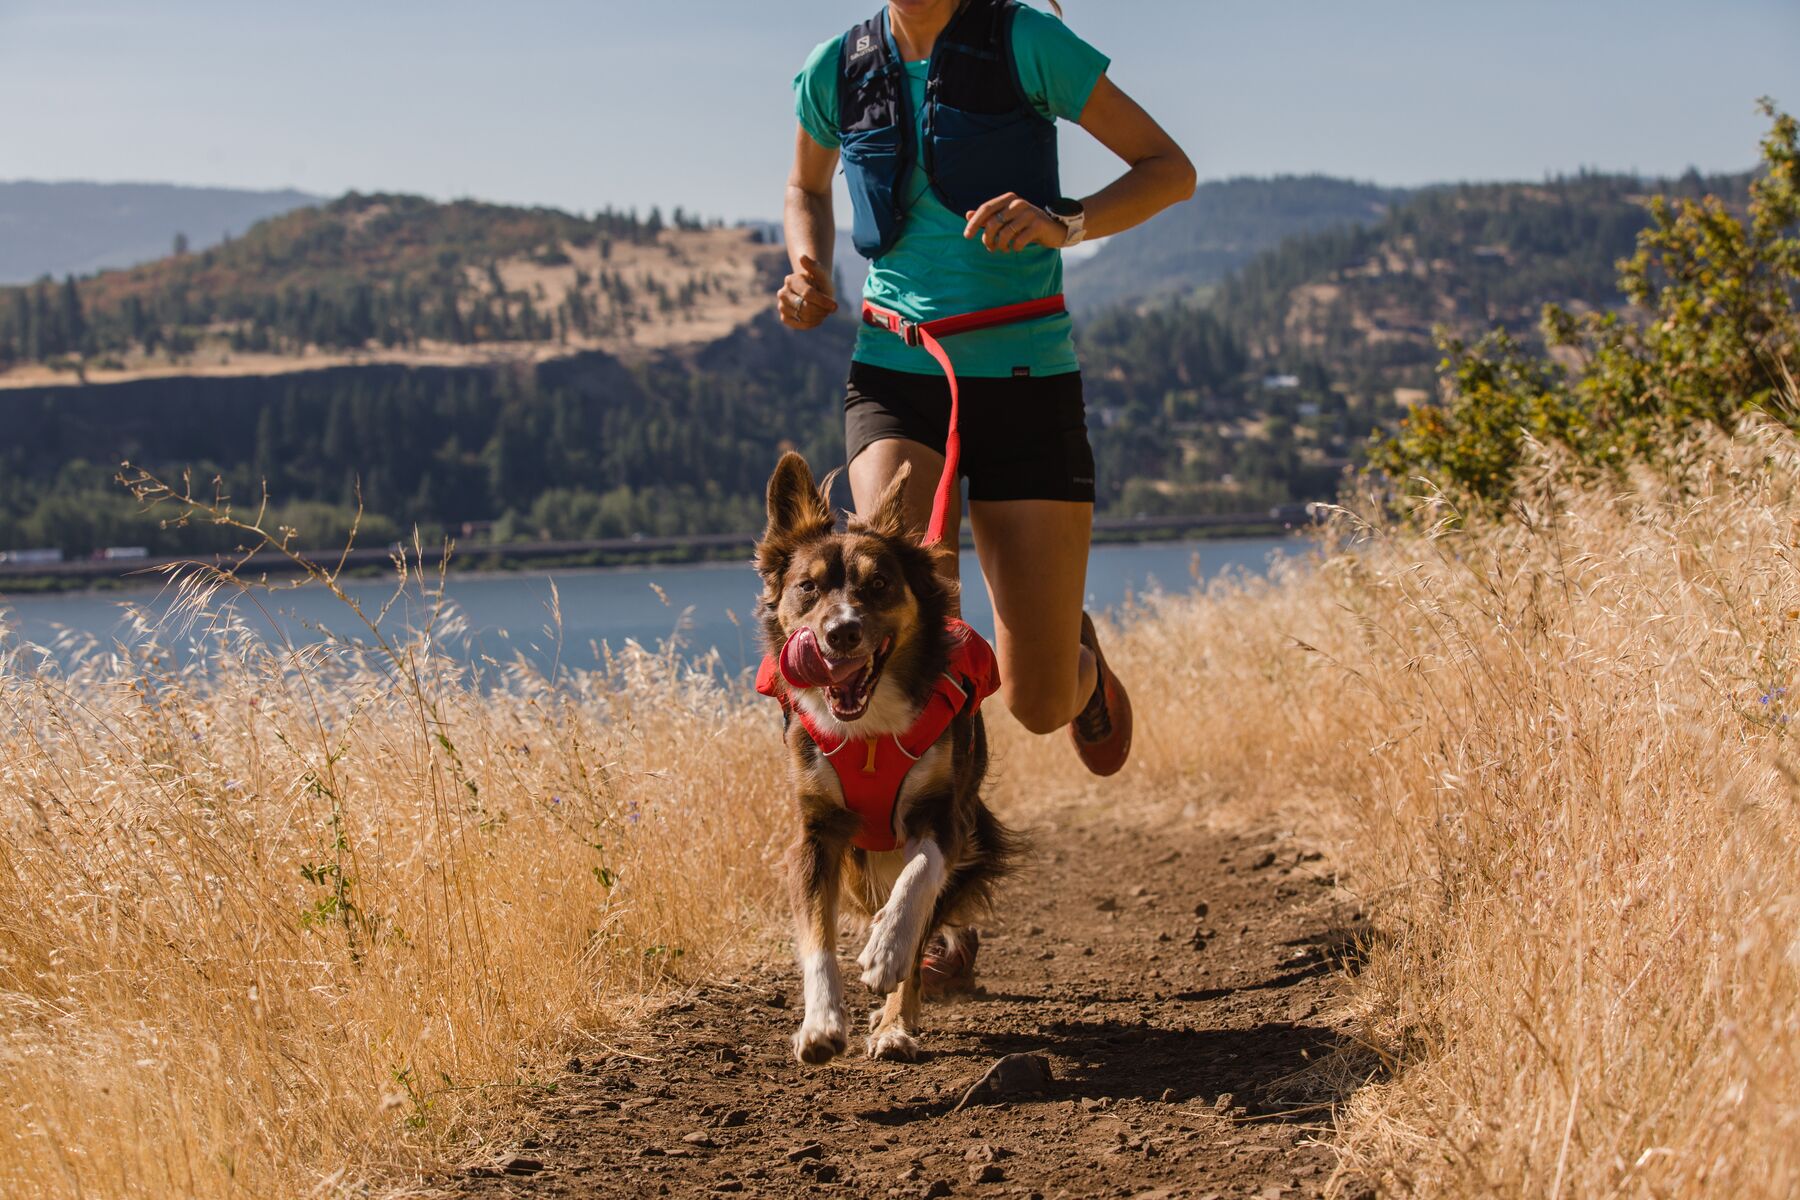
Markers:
{"x": 1227, "y": 223}
{"x": 1363, "y": 304}
{"x": 390, "y": 279}
{"x": 529, "y": 373}
{"x": 77, "y": 228}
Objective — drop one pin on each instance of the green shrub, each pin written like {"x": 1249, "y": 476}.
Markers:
{"x": 1710, "y": 332}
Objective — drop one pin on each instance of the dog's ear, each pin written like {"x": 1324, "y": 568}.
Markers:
{"x": 888, "y": 518}
{"x": 797, "y": 507}
{"x": 797, "y": 513}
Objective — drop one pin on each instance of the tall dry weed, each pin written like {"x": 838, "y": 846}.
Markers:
{"x": 282, "y": 921}
{"x": 1558, "y": 757}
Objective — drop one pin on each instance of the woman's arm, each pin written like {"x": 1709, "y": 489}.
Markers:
{"x": 1160, "y": 176}
{"x": 804, "y": 299}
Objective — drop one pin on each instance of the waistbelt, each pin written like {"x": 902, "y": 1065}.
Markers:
{"x": 928, "y": 335}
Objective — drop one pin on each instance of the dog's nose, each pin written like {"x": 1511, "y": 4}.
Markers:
{"x": 844, "y": 635}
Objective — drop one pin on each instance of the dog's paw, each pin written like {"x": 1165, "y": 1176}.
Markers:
{"x": 893, "y": 1044}
{"x": 821, "y": 1038}
{"x": 888, "y": 958}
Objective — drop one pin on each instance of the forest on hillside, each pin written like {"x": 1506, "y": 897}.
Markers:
{"x": 1264, "y": 393}
{"x": 362, "y": 271}
{"x": 1180, "y": 253}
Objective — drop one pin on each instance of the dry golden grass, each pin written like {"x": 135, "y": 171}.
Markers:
{"x": 1554, "y": 759}
{"x": 309, "y": 920}
{"x": 1557, "y": 759}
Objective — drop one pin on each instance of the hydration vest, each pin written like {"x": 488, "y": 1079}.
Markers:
{"x": 983, "y": 137}
{"x": 872, "y": 770}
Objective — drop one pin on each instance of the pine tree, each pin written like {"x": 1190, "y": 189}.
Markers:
{"x": 74, "y": 324}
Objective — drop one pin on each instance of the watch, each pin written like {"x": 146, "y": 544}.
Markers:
{"x": 1073, "y": 217}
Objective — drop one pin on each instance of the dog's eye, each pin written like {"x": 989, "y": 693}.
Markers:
{"x": 808, "y": 587}
{"x": 876, "y": 583}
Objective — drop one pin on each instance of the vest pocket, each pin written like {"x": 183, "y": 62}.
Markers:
{"x": 977, "y": 156}
{"x": 871, "y": 166}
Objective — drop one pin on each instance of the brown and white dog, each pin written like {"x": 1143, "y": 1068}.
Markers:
{"x": 877, "y": 603}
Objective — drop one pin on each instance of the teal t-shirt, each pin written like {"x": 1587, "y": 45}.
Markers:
{"x": 933, "y": 271}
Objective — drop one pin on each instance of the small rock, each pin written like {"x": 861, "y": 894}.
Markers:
{"x": 1034, "y": 930}
{"x": 1093, "y": 1103}
{"x": 936, "y": 1188}
{"x": 637, "y": 1103}
{"x": 521, "y": 1166}
{"x": 1168, "y": 1096}
{"x": 1168, "y": 858}
{"x": 1164, "y": 936}
{"x": 802, "y": 1153}
{"x": 651, "y": 1152}
{"x": 1201, "y": 909}
{"x": 574, "y": 1066}
{"x": 986, "y": 1173}
{"x": 776, "y": 1000}
{"x": 1263, "y": 861}
{"x": 699, "y": 1138}
{"x": 823, "y": 1172}
{"x": 1140, "y": 890}
{"x": 1087, "y": 952}
{"x": 912, "y": 1174}
{"x": 728, "y": 1185}
{"x": 1223, "y": 1103}
{"x": 1014, "y": 1075}
{"x": 734, "y": 1118}
{"x": 1107, "y": 904}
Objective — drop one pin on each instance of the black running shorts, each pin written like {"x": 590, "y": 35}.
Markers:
{"x": 1022, "y": 439}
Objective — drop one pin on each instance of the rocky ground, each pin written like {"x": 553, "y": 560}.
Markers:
{"x": 1172, "y": 990}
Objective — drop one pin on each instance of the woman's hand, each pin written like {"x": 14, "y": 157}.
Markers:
{"x": 804, "y": 299}
{"x": 1008, "y": 223}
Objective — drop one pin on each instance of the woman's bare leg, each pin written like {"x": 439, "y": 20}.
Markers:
{"x": 871, "y": 470}
{"x": 1034, "y": 555}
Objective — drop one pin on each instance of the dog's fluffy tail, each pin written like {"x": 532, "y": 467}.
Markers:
{"x": 996, "y": 852}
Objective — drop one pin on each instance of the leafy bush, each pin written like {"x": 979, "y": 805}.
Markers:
{"x": 1709, "y": 333}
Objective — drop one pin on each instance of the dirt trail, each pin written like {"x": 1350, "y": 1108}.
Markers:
{"x": 1181, "y": 1046}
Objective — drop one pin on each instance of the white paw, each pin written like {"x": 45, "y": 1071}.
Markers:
{"x": 887, "y": 959}
{"x": 822, "y": 1037}
{"x": 893, "y": 1045}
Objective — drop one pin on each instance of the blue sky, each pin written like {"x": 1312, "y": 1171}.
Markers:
{"x": 640, "y": 102}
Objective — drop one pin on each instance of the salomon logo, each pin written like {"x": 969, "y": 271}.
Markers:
{"x": 863, "y": 46}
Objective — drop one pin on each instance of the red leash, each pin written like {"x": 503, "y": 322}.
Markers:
{"x": 927, "y": 334}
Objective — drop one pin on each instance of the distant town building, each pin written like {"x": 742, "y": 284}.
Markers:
{"x": 1280, "y": 383}
{"x": 30, "y": 558}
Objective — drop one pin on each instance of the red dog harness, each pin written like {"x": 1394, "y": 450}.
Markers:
{"x": 872, "y": 770}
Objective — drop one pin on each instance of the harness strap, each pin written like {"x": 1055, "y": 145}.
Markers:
{"x": 926, "y": 334}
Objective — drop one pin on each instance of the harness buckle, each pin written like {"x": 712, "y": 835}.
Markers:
{"x": 909, "y": 333}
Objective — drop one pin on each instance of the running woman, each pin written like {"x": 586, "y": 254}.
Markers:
{"x": 942, "y": 113}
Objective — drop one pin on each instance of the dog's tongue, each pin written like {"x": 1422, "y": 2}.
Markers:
{"x": 804, "y": 665}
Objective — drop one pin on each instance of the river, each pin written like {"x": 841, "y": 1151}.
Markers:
{"x": 706, "y": 605}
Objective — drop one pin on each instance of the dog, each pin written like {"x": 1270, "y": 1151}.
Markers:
{"x": 866, "y": 613}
